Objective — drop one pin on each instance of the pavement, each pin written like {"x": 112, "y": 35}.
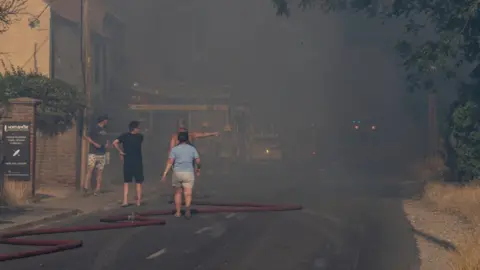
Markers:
{"x": 352, "y": 219}
{"x": 58, "y": 203}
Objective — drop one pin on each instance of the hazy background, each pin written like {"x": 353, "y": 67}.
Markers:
{"x": 311, "y": 67}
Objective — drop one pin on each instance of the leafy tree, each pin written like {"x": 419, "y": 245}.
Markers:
{"x": 429, "y": 61}
{"x": 464, "y": 131}
{"x": 9, "y": 12}
{"x": 60, "y": 105}
{"x": 443, "y": 45}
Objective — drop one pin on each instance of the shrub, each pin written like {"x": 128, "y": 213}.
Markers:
{"x": 60, "y": 105}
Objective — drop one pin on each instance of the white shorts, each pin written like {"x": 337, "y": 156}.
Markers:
{"x": 183, "y": 179}
{"x": 96, "y": 161}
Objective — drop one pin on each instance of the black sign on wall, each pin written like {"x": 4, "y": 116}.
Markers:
{"x": 16, "y": 140}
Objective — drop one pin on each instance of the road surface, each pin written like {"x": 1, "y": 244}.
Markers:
{"x": 353, "y": 220}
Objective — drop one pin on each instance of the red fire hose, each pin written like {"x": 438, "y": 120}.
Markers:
{"x": 121, "y": 221}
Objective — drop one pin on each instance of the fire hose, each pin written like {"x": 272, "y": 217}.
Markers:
{"x": 132, "y": 220}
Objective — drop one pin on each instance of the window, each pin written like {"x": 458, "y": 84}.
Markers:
{"x": 105, "y": 68}
{"x": 97, "y": 62}
{"x": 53, "y": 40}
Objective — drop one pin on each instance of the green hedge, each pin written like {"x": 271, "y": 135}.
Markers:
{"x": 60, "y": 105}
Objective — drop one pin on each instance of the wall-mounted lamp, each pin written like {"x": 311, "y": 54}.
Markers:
{"x": 33, "y": 23}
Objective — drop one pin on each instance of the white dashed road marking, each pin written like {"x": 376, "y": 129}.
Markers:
{"x": 204, "y": 229}
{"x": 215, "y": 231}
{"x": 156, "y": 254}
{"x": 230, "y": 215}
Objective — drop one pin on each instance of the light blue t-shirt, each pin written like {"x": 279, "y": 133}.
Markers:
{"x": 183, "y": 156}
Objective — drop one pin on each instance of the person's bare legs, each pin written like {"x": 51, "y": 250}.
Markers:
{"x": 125, "y": 194}
{"x": 99, "y": 180}
{"x": 187, "y": 192}
{"x": 91, "y": 164}
{"x": 88, "y": 180}
{"x": 139, "y": 193}
{"x": 178, "y": 202}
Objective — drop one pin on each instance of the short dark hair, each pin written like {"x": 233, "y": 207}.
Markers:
{"x": 102, "y": 118}
{"x": 133, "y": 125}
{"x": 182, "y": 137}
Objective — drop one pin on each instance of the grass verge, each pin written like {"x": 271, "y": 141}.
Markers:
{"x": 463, "y": 201}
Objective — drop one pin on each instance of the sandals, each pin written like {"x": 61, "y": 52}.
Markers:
{"x": 188, "y": 214}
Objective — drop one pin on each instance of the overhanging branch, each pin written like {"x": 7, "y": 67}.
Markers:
{"x": 9, "y": 12}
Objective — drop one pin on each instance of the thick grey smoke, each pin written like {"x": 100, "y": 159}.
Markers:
{"x": 310, "y": 68}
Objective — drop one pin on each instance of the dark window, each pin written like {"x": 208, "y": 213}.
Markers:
{"x": 105, "y": 68}
{"x": 97, "y": 62}
{"x": 53, "y": 41}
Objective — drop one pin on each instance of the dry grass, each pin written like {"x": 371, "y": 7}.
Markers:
{"x": 468, "y": 257}
{"x": 462, "y": 201}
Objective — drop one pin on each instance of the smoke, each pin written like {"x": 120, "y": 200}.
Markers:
{"x": 310, "y": 76}
{"x": 309, "y": 68}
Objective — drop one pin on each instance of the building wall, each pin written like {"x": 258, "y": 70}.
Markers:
{"x": 26, "y": 47}
{"x": 98, "y": 70}
{"x": 53, "y": 49}
{"x": 57, "y": 157}
{"x": 66, "y": 50}
{"x": 117, "y": 83}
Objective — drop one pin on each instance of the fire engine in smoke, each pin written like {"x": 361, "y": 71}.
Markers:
{"x": 210, "y": 111}
{"x": 264, "y": 145}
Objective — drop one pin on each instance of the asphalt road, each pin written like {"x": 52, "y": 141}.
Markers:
{"x": 353, "y": 220}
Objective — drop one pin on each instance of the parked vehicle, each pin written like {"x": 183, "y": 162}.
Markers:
{"x": 264, "y": 146}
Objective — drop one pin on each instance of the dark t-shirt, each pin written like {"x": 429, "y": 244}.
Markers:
{"x": 132, "y": 146}
{"x": 99, "y": 135}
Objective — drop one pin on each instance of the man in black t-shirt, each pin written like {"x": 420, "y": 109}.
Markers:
{"x": 131, "y": 155}
{"x": 97, "y": 137}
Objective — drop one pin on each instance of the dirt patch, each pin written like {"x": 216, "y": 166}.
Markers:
{"x": 463, "y": 202}
{"x": 446, "y": 222}
{"x": 439, "y": 235}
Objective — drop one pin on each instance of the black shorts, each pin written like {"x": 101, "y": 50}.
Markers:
{"x": 133, "y": 171}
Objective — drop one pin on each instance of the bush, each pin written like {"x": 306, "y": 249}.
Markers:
{"x": 60, "y": 105}
{"x": 465, "y": 132}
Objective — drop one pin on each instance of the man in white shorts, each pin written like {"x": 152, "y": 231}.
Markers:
{"x": 97, "y": 137}
{"x": 183, "y": 158}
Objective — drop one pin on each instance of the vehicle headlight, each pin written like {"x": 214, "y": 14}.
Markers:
{"x": 267, "y": 151}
